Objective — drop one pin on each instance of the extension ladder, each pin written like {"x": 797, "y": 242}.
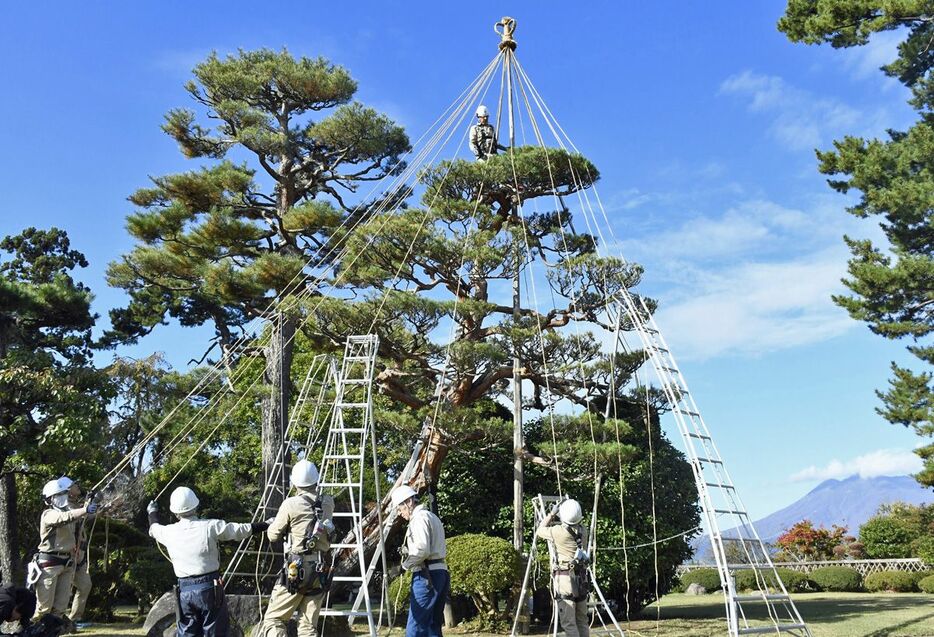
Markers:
{"x": 541, "y": 506}
{"x": 717, "y": 494}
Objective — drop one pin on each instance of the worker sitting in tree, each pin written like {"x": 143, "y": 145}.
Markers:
{"x": 201, "y": 609}
{"x": 305, "y": 519}
{"x": 570, "y": 576}
{"x": 483, "y": 142}
{"x": 53, "y": 565}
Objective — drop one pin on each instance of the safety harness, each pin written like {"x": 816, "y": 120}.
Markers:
{"x": 300, "y": 573}
{"x": 578, "y": 570}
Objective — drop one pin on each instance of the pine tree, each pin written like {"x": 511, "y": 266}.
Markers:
{"x": 433, "y": 281}
{"x": 52, "y": 399}
{"x": 217, "y": 244}
{"x": 892, "y": 286}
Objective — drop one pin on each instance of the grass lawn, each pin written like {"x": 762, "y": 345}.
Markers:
{"x": 828, "y": 615}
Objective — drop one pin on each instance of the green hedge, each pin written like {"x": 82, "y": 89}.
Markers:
{"x": 837, "y": 579}
{"x": 897, "y": 581}
{"x": 927, "y": 584}
{"x": 399, "y": 591}
{"x": 709, "y": 578}
{"x": 794, "y": 581}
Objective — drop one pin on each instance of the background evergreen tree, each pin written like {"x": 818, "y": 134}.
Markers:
{"x": 892, "y": 285}
{"x": 217, "y": 244}
{"x": 52, "y": 399}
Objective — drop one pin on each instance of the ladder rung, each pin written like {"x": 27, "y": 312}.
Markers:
{"x": 772, "y": 597}
{"x": 351, "y": 545}
{"x": 347, "y": 578}
{"x": 339, "y": 484}
{"x": 687, "y": 412}
{"x": 355, "y": 381}
{"x": 353, "y": 405}
{"x": 729, "y": 511}
{"x": 739, "y": 539}
{"x": 344, "y": 456}
{"x": 330, "y": 612}
{"x": 717, "y": 485}
{"x": 761, "y": 630}
{"x": 349, "y": 430}
{"x": 345, "y": 514}
{"x": 699, "y": 436}
{"x": 710, "y": 460}
{"x": 749, "y": 567}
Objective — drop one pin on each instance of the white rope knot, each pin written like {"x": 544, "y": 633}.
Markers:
{"x": 508, "y": 28}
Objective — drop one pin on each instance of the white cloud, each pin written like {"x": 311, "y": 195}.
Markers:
{"x": 755, "y": 308}
{"x": 755, "y": 279}
{"x": 864, "y": 61}
{"x": 882, "y": 462}
{"x": 800, "y": 120}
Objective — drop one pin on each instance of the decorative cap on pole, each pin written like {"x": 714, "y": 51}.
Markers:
{"x": 508, "y": 28}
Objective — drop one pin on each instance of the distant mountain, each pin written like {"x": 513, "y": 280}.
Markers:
{"x": 849, "y": 502}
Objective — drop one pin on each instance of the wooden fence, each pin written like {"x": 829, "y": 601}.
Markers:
{"x": 865, "y": 567}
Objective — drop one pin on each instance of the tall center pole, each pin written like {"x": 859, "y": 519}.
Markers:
{"x": 508, "y": 47}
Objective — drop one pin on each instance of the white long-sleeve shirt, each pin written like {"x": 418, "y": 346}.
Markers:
{"x": 192, "y": 543}
{"x": 424, "y": 539}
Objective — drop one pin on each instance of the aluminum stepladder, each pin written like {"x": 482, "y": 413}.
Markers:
{"x": 350, "y": 436}
{"x": 717, "y": 493}
{"x": 541, "y": 505}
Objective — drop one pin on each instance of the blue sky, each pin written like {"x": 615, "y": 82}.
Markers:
{"x": 702, "y": 118}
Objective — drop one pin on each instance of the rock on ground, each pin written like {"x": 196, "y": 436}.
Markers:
{"x": 695, "y": 589}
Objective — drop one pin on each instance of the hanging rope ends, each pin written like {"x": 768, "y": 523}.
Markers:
{"x": 508, "y": 28}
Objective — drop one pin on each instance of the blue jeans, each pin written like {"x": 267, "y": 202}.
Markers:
{"x": 202, "y": 615}
{"x": 426, "y": 603}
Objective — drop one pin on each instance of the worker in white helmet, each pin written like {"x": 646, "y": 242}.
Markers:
{"x": 304, "y": 522}
{"x": 423, "y": 553}
{"x": 570, "y": 576}
{"x": 53, "y": 565}
{"x": 201, "y": 609}
{"x": 81, "y": 583}
{"x": 483, "y": 142}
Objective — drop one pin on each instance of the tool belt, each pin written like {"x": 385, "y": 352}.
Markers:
{"x": 430, "y": 563}
{"x": 48, "y": 560}
{"x": 306, "y": 573}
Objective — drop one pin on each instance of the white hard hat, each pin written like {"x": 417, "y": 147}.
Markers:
{"x": 304, "y": 474}
{"x": 401, "y": 494}
{"x": 570, "y": 512}
{"x": 482, "y": 111}
{"x": 183, "y": 500}
{"x": 53, "y": 487}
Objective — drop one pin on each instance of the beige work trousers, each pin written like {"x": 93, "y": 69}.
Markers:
{"x": 53, "y": 590}
{"x": 572, "y": 616}
{"x": 82, "y": 586}
{"x": 281, "y": 606}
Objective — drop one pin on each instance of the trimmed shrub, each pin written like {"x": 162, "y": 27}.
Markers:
{"x": 897, "y": 581}
{"x": 709, "y": 578}
{"x": 483, "y": 568}
{"x": 927, "y": 584}
{"x": 794, "y": 581}
{"x": 917, "y": 577}
{"x": 837, "y": 579}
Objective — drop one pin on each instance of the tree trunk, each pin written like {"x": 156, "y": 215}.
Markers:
{"x": 10, "y": 565}
{"x": 278, "y": 364}
{"x": 420, "y": 473}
